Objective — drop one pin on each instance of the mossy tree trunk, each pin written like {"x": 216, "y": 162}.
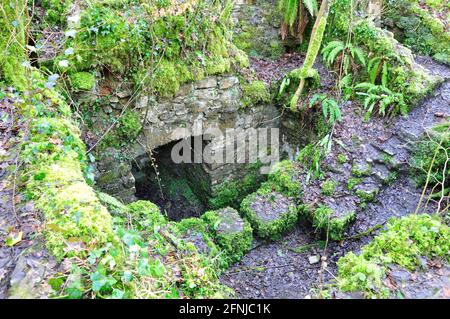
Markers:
{"x": 13, "y": 22}
{"x": 313, "y": 49}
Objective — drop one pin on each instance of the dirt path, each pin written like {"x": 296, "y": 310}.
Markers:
{"x": 282, "y": 269}
{"x": 23, "y": 260}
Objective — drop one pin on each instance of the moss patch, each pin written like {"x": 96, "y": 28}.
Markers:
{"x": 231, "y": 232}
{"x": 270, "y": 215}
{"x": 325, "y": 219}
{"x": 82, "y": 81}
{"x": 403, "y": 242}
{"x": 254, "y": 93}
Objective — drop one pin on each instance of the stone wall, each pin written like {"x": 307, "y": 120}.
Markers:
{"x": 257, "y": 28}
{"x": 212, "y": 103}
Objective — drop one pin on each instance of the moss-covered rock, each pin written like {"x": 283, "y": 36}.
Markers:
{"x": 12, "y": 42}
{"x": 146, "y": 214}
{"x": 195, "y": 233}
{"x": 232, "y": 192}
{"x": 174, "y": 49}
{"x": 361, "y": 168}
{"x": 270, "y": 215}
{"x": 283, "y": 178}
{"x": 232, "y": 233}
{"x": 328, "y": 187}
{"x": 330, "y": 221}
{"x": 404, "y": 242}
{"x": 420, "y": 29}
{"x": 366, "y": 194}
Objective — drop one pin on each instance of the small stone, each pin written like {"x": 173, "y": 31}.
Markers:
{"x": 206, "y": 83}
{"x": 123, "y": 94}
{"x": 107, "y": 109}
{"x": 228, "y": 82}
{"x": 114, "y": 99}
{"x": 142, "y": 102}
{"x": 314, "y": 259}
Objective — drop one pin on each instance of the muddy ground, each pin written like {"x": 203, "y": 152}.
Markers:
{"x": 287, "y": 269}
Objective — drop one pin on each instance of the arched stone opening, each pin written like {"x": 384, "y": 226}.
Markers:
{"x": 181, "y": 190}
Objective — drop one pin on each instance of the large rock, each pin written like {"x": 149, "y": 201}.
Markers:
{"x": 270, "y": 214}
{"x": 232, "y": 233}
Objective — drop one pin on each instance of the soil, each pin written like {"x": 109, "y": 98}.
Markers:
{"x": 284, "y": 269}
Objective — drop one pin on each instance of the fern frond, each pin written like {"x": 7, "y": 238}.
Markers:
{"x": 332, "y": 56}
{"x": 291, "y": 12}
{"x": 384, "y": 74}
{"x": 358, "y": 55}
{"x": 312, "y": 6}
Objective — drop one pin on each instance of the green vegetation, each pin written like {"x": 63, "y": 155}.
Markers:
{"x": 231, "y": 232}
{"x": 328, "y": 187}
{"x": 12, "y": 41}
{"x": 367, "y": 195}
{"x": 330, "y": 108}
{"x": 56, "y": 10}
{"x": 263, "y": 213}
{"x": 82, "y": 81}
{"x": 254, "y": 93}
{"x": 430, "y": 156}
{"x": 346, "y": 53}
{"x": 175, "y": 48}
{"x": 324, "y": 219}
{"x": 352, "y": 182}
{"x": 232, "y": 192}
{"x": 108, "y": 249}
{"x": 282, "y": 179}
{"x": 404, "y": 241}
{"x": 420, "y": 29}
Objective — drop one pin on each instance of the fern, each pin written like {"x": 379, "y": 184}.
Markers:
{"x": 332, "y": 50}
{"x": 290, "y": 12}
{"x": 386, "y": 101}
{"x": 312, "y": 6}
{"x": 330, "y": 108}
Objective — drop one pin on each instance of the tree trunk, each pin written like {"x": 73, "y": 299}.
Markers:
{"x": 313, "y": 48}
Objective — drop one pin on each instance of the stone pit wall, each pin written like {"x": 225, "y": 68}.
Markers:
{"x": 215, "y": 102}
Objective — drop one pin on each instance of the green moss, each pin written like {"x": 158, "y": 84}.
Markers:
{"x": 166, "y": 80}
{"x": 82, "y": 81}
{"x": 367, "y": 196}
{"x": 12, "y": 42}
{"x": 360, "y": 172}
{"x": 164, "y": 54}
{"x": 56, "y": 10}
{"x": 146, "y": 215}
{"x": 404, "y": 242}
{"x": 282, "y": 179}
{"x": 75, "y": 221}
{"x": 127, "y": 129}
{"x": 254, "y": 93}
{"x": 421, "y": 30}
{"x": 231, "y": 233}
{"x": 328, "y": 187}
{"x": 231, "y": 192}
{"x": 323, "y": 218}
{"x": 352, "y": 182}
{"x": 342, "y": 158}
{"x": 269, "y": 228}
{"x": 405, "y": 76}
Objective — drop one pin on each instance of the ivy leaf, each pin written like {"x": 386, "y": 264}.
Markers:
{"x": 13, "y": 238}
